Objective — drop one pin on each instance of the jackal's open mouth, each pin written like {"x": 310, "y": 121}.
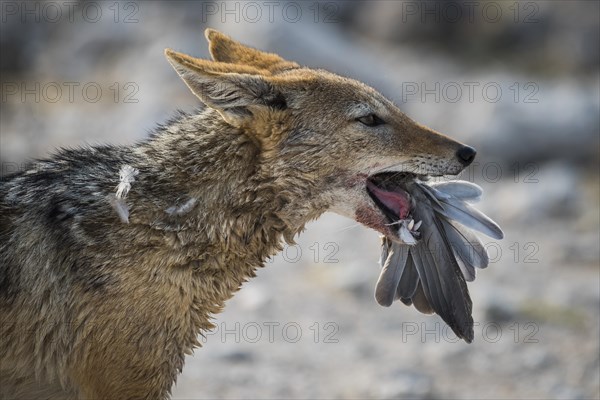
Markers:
{"x": 390, "y": 192}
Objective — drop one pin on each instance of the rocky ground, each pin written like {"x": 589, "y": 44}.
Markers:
{"x": 308, "y": 325}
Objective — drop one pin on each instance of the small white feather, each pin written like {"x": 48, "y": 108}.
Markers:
{"x": 127, "y": 176}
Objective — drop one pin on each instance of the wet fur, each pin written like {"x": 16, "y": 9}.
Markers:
{"x": 103, "y": 294}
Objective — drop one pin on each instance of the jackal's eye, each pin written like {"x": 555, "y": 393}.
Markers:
{"x": 370, "y": 120}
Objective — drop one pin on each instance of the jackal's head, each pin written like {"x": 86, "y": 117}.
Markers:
{"x": 353, "y": 147}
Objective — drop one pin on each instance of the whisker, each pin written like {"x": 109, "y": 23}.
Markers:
{"x": 395, "y": 223}
{"x": 347, "y": 228}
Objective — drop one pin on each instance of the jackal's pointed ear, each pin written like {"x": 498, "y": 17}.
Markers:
{"x": 235, "y": 91}
{"x": 224, "y": 49}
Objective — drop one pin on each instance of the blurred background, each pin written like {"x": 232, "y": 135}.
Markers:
{"x": 518, "y": 80}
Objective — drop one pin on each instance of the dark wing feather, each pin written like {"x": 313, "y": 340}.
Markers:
{"x": 420, "y": 302}
{"x": 385, "y": 290}
{"x": 470, "y": 217}
{"x": 463, "y": 190}
{"x": 443, "y": 283}
{"x": 409, "y": 280}
{"x": 465, "y": 244}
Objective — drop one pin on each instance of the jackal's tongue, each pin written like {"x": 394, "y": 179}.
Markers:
{"x": 398, "y": 202}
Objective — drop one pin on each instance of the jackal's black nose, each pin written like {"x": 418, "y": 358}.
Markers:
{"x": 466, "y": 155}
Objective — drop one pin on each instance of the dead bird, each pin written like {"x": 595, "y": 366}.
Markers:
{"x": 435, "y": 256}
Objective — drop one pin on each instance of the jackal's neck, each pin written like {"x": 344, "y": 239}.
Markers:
{"x": 219, "y": 192}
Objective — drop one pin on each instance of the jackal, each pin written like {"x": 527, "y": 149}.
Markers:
{"x": 114, "y": 258}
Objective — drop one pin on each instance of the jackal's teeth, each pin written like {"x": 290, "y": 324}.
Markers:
{"x": 411, "y": 224}
{"x": 417, "y": 226}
